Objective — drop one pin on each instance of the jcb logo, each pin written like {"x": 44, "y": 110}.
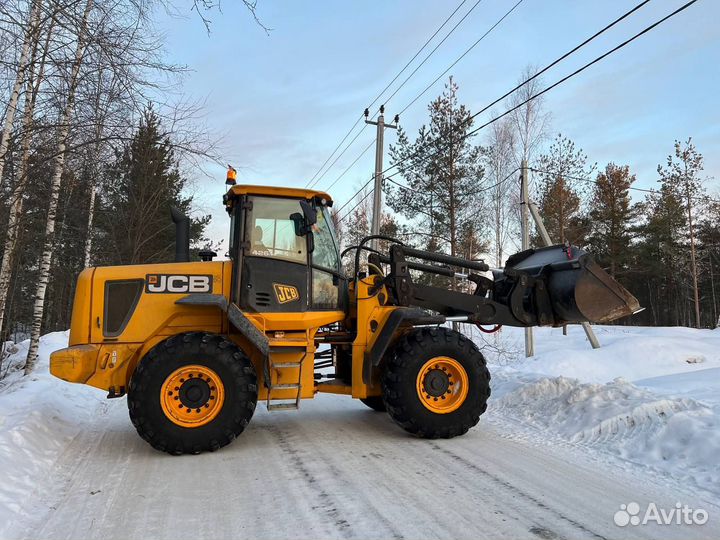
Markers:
{"x": 285, "y": 293}
{"x": 177, "y": 283}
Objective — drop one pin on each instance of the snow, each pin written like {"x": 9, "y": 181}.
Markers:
{"x": 39, "y": 416}
{"x": 636, "y": 420}
{"x": 650, "y": 396}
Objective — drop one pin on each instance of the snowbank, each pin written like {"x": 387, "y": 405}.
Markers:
{"x": 39, "y": 416}
{"x": 676, "y": 436}
{"x": 650, "y": 396}
{"x": 629, "y": 352}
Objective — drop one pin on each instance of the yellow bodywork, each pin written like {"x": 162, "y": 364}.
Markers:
{"x": 108, "y": 363}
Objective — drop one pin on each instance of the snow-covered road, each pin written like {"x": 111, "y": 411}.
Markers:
{"x": 336, "y": 469}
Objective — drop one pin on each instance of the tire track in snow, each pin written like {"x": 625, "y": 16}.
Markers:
{"x": 539, "y": 530}
{"x": 330, "y": 505}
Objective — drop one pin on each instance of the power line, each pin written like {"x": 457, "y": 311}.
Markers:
{"x": 583, "y": 68}
{"x": 485, "y": 188}
{"x": 462, "y": 56}
{"x": 312, "y": 180}
{"x": 317, "y": 180}
{"x": 564, "y": 79}
{"x": 433, "y": 51}
{"x": 596, "y": 181}
{"x": 351, "y": 165}
{"x": 564, "y": 56}
{"x": 356, "y": 205}
{"x": 420, "y": 50}
{"x": 364, "y": 197}
{"x": 354, "y": 195}
{"x": 557, "y": 83}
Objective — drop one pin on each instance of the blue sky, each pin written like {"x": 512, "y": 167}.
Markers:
{"x": 281, "y": 102}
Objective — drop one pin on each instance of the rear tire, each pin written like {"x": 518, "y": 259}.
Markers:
{"x": 209, "y": 379}
{"x": 376, "y": 403}
{"x": 436, "y": 383}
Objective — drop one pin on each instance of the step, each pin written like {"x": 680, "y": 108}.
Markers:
{"x": 286, "y": 365}
{"x": 285, "y": 343}
{"x": 282, "y": 406}
{"x": 292, "y": 386}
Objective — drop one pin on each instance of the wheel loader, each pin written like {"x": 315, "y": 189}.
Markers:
{"x": 195, "y": 345}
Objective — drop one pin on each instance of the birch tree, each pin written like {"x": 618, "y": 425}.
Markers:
{"x": 29, "y": 43}
{"x": 32, "y": 86}
{"x": 55, "y": 181}
{"x": 499, "y": 159}
{"x": 530, "y": 121}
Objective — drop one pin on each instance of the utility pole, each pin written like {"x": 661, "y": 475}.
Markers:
{"x": 589, "y": 332}
{"x": 525, "y": 230}
{"x": 377, "y": 185}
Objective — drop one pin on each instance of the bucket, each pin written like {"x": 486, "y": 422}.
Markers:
{"x": 575, "y": 286}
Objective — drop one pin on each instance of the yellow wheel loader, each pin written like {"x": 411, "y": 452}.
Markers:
{"x": 195, "y": 345}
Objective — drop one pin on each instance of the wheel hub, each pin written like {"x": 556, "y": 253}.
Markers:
{"x": 442, "y": 384}
{"x": 194, "y": 393}
{"x": 192, "y": 396}
{"x": 436, "y": 383}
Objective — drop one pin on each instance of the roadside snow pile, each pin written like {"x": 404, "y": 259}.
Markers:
{"x": 631, "y": 352}
{"x": 650, "y": 396}
{"x": 672, "y": 435}
{"x": 39, "y": 415}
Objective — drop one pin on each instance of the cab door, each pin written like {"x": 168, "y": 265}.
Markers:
{"x": 274, "y": 275}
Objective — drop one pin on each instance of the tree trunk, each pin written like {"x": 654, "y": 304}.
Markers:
{"x": 55, "y": 181}
{"x": 712, "y": 288}
{"x": 693, "y": 262}
{"x": 23, "y": 65}
{"x": 16, "y": 202}
{"x": 95, "y": 157}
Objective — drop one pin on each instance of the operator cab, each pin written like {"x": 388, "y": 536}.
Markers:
{"x": 285, "y": 250}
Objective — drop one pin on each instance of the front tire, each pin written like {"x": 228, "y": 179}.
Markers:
{"x": 436, "y": 383}
{"x": 376, "y": 403}
{"x": 192, "y": 393}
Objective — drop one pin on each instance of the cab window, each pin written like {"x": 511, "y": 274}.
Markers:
{"x": 325, "y": 284}
{"x": 326, "y": 251}
{"x": 271, "y": 232}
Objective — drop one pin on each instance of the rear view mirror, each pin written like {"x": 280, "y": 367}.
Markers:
{"x": 299, "y": 222}
{"x": 309, "y": 212}
{"x": 303, "y": 229}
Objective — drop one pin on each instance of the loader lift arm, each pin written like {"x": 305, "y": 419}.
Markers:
{"x": 548, "y": 286}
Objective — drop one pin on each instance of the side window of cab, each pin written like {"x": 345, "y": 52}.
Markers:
{"x": 325, "y": 264}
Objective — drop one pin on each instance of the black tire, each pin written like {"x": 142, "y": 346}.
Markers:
{"x": 212, "y": 351}
{"x": 376, "y": 403}
{"x": 399, "y": 383}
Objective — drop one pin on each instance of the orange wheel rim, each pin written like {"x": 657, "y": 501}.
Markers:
{"x": 442, "y": 384}
{"x": 192, "y": 396}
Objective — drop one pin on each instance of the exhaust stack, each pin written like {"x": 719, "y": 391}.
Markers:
{"x": 182, "y": 235}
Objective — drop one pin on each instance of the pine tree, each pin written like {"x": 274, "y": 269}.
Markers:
{"x": 562, "y": 170}
{"x": 443, "y": 172}
{"x": 134, "y": 225}
{"x": 659, "y": 263}
{"x": 611, "y": 217}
